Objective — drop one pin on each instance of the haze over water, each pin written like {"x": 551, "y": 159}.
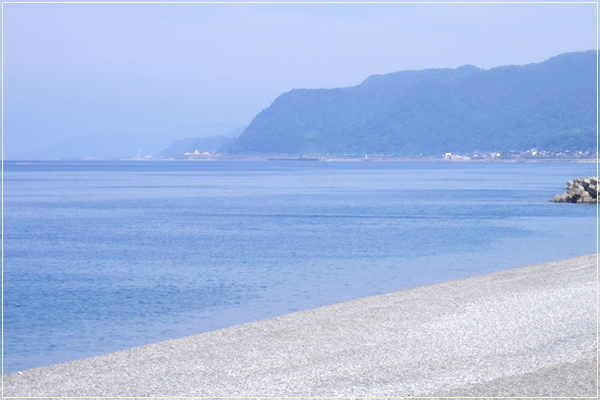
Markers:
{"x": 102, "y": 256}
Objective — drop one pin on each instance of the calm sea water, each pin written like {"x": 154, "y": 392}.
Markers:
{"x": 103, "y": 256}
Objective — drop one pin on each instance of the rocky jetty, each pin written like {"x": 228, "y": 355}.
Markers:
{"x": 579, "y": 190}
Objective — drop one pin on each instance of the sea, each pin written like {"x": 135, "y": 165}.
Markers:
{"x": 100, "y": 256}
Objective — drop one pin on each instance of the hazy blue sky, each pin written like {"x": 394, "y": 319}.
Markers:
{"x": 84, "y": 69}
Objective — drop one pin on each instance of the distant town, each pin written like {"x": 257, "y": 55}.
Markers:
{"x": 526, "y": 156}
{"x": 531, "y": 154}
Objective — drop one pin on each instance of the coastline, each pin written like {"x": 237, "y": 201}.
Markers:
{"x": 524, "y": 332}
{"x": 375, "y": 159}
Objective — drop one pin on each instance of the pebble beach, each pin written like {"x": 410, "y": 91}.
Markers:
{"x": 525, "y": 332}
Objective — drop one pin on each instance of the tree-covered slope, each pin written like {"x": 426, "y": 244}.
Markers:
{"x": 549, "y": 105}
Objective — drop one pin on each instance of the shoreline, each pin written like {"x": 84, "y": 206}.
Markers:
{"x": 524, "y": 332}
{"x": 319, "y": 159}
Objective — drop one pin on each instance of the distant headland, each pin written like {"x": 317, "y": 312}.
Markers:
{"x": 542, "y": 111}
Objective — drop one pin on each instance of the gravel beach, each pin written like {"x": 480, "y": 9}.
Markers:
{"x": 525, "y": 332}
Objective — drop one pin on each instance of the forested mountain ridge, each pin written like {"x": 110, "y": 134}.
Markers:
{"x": 549, "y": 105}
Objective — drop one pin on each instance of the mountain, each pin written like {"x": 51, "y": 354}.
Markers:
{"x": 549, "y": 105}
{"x": 210, "y": 144}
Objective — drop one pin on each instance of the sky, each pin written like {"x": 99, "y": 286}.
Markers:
{"x": 84, "y": 70}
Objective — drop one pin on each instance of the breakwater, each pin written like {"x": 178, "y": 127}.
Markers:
{"x": 579, "y": 190}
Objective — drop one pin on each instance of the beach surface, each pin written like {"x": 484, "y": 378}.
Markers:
{"x": 525, "y": 332}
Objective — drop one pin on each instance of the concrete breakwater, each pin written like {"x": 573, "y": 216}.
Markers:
{"x": 579, "y": 190}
